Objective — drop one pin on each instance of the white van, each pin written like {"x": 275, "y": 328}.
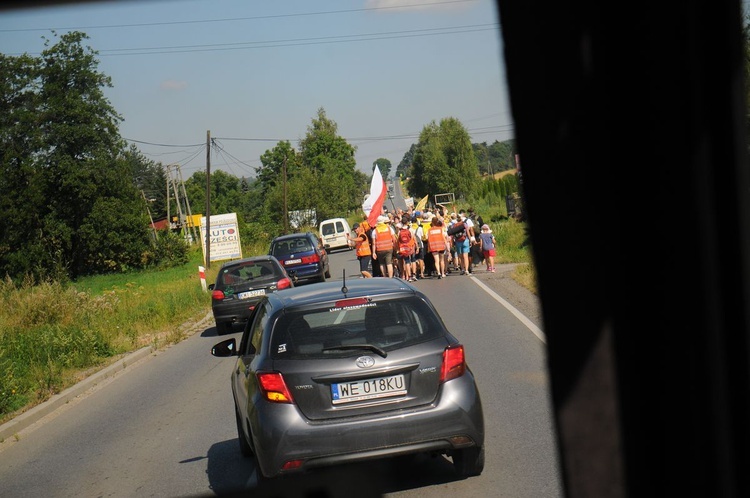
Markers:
{"x": 336, "y": 233}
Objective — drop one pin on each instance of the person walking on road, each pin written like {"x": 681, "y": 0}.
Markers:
{"x": 487, "y": 243}
{"x": 461, "y": 242}
{"x": 362, "y": 248}
{"x": 438, "y": 242}
{"x": 385, "y": 242}
{"x": 406, "y": 249}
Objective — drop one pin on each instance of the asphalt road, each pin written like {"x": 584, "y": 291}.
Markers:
{"x": 162, "y": 425}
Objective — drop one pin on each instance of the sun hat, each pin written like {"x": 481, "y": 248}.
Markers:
{"x": 382, "y": 219}
{"x": 486, "y": 228}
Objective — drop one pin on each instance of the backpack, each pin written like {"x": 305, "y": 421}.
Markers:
{"x": 424, "y": 233}
{"x": 405, "y": 247}
{"x": 456, "y": 227}
{"x": 419, "y": 238}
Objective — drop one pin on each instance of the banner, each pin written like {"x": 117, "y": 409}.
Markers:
{"x": 373, "y": 205}
{"x": 224, "y": 239}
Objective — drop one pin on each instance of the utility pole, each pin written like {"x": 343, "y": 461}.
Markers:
{"x": 286, "y": 211}
{"x": 180, "y": 214}
{"x": 169, "y": 218}
{"x": 208, "y": 199}
{"x": 148, "y": 210}
{"x": 193, "y": 236}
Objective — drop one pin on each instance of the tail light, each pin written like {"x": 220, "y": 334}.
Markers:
{"x": 274, "y": 388}
{"x": 311, "y": 259}
{"x": 454, "y": 363}
{"x": 217, "y": 295}
{"x": 284, "y": 283}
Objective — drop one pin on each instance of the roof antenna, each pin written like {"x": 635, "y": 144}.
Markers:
{"x": 344, "y": 290}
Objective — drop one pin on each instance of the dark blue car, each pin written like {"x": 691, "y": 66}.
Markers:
{"x": 303, "y": 255}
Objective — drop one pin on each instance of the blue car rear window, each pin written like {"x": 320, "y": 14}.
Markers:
{"x": 286, "y": 247}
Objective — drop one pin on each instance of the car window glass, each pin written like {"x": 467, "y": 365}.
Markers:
{"x": 302, "y": 245}
{"x": 256, "y": 331}
{"x": 247, "y": 272}
{"x": 387, "y": 325}
{"x": 280, "y": 248}
{"x": 339, "y": 226}
{"x": 327, "y": 229}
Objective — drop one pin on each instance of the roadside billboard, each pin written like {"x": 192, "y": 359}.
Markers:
{"x": 224, "y": 237}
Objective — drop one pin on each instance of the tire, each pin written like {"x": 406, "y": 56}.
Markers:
{"x": 469, "y": 461}
{"x": 224, "y": 328}
{"x": 245, "y": 447}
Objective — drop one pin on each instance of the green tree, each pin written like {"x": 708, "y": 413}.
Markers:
{"x": 404, "y": 167}
{"x": 502, "y": 155}
{"x": 74, "y": 165}
{"x": 444, "y": 161}
{"x": 384, "y": 165}
{"x": 226, "y": 193}
{"x": 21, "y": 182}
{"x": 150, "y": 179}
{"x": 331, "y": 182}
{"x": 270, "y": 174}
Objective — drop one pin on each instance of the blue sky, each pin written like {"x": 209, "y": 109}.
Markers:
{"x": 254, "y": 73}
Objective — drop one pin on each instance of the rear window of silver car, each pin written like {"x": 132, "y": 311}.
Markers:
{"x": 331, "y": 331}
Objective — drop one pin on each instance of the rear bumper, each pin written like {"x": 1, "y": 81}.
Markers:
{"x": 232, "y": 312}
{"x": 337, "y": 242}
{"x": 455, "y": 421}
{"x": 306, "y": 272}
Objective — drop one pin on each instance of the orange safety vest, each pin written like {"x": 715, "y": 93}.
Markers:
{"x": 362, "y": 245}
{"x": 436, "y": 239}
{"x": 383, "y": 238}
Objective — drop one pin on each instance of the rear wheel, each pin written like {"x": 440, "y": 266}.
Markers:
{"x": 224, "y": 328}
{"x": 469, "y": 461}
{"x": 245, "y": 448}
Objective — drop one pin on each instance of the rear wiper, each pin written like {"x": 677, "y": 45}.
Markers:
{"x": 347, "y": 347}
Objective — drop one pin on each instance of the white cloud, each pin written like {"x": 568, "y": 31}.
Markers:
{"x": 171, "y": 85}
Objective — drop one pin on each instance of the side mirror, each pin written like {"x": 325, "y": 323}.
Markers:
{"x": 225, "y": 348}
{"x": 211, "y": 286}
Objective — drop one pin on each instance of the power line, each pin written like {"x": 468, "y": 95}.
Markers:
{"x": 295, "y": 42}
{"x": 235, "y": 19}
{"x": 163, "y": 145}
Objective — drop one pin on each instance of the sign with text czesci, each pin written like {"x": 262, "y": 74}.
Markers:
{"x": 224, "y": 237}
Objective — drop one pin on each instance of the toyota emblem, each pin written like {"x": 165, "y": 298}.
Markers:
{"x": 364, "y": 361}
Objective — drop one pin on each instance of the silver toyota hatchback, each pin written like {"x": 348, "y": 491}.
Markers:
{"x": 332, "y": 374}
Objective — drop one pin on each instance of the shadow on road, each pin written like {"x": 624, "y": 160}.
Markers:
{"x": 230, "y": 474}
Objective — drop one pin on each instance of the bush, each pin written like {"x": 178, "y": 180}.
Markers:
{"x": 169, "y": 250}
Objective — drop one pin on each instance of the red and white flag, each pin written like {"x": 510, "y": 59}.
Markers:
{"x": 373, "y": 205}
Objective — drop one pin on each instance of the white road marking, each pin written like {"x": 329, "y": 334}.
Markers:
{"x": 521, "y": 317}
